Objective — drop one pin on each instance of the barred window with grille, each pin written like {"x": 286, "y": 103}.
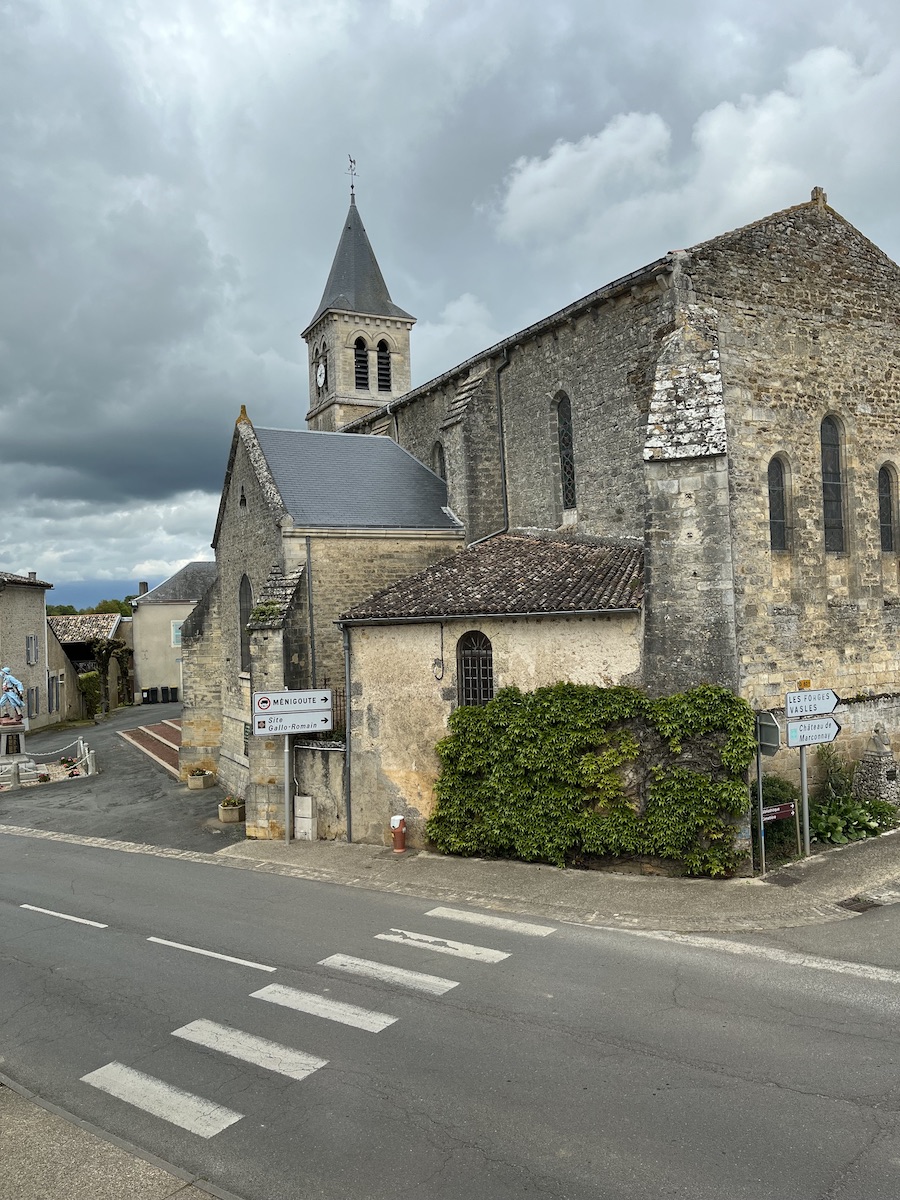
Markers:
{"x": 475, "y": 668}
{"x": 384, "y": 367}
{"x": 566, "y": 450}
{"x": 361, "y": 365}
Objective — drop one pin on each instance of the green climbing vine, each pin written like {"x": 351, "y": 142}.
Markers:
{"x": 570, "y": 770}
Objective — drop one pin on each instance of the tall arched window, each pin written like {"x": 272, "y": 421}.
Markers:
{"x": 245, "y": 607}
{"x": 474, "y": 668}
{"x": 361, "y": 365}
{"x": 886, "y": 505}
{"x": 438, "y": 460}
{"x": 832, "y": 486}
{"x": 778, "y": 526}
{"x": 566, "y": 450}
{"x": 384, "y": 367}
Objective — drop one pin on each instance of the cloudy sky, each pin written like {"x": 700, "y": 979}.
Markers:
{"x": 172, "y": 189}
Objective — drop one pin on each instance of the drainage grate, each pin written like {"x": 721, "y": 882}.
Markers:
{"x": 859, "y": 904}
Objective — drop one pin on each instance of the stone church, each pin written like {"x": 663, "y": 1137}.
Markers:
{"x": 689, "y": 475}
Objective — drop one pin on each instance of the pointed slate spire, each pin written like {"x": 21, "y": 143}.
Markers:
{"x": 355, "y": 283}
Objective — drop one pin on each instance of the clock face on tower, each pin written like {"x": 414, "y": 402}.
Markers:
{"x": 320, "y": 375}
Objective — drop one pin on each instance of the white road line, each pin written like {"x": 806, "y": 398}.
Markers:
{"x": 505, "y": 923}
{"x": 63, "y": 916}
{"x": 791, "y": 958}
{"x": 242, "y": 962}
{"x": 171, "y": 1104}
{"x": 421, "y": 941}
{"x": 433, "y": 984}
{"x": 323, "y": 1006}
{"x": 249, "y": 1048}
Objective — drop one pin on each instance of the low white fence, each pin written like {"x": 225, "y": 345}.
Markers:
{"x": 82, "y": 761}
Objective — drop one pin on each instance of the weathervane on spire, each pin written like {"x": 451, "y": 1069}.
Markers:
{"x": 352, "y": 174}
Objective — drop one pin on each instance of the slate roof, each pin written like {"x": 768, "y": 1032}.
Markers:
{"x": 514, "y": 574}
{"x": 186, "y": 586}
{"x": 7, "y": 577}
{"x": 355, "y": 283}
{"x": 84, "y": 628}
{"x": 340, "y": 480}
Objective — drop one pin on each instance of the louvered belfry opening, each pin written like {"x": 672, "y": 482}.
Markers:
{"x": 384, "y": 367}
{"x": 361, "y": 365}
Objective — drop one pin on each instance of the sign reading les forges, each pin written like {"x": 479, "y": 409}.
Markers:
{"x": 811, "y": 703}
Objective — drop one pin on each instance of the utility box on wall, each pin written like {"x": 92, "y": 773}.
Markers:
{"x": 305, "y": 819}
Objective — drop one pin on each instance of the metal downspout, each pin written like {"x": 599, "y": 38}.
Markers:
{"x": 309, "y": 608}
{"x": 347, "y": 740}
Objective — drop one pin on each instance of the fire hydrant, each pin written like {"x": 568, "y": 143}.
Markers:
{"x": 398, "y": 834}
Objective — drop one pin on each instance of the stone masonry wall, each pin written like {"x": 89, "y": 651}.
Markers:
{"x": 347, "y": 569}
{"x": 201, "y": 713}
{"x": 809, "y": 326}
{"x": 603, "y": 356}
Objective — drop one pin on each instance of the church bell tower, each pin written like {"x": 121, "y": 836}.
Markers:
{"x": 358, "y": 340}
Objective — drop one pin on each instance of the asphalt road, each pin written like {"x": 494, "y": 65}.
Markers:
{"x": 132, "y": 798}
{"x": 586, "y": 1063}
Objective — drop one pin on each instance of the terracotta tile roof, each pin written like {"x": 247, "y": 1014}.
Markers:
{"x": 516, "y": 574}
{"x": 85, "y": 627}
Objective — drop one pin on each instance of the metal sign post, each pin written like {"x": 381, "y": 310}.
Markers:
{"x": 768, "y": 741}
{"x": 287, "y": 713}
{"x": 810, "y": 725}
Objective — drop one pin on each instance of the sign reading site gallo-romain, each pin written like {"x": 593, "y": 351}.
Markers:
{"x": 306, "y": 711}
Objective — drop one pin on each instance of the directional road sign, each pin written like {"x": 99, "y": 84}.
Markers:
{"x": 778, "y": 812}
{"x": 310, "y": 700}
{"x": 266, "y": 724}
{"x": 814, "y": 732}
{"x": 811, "y": 703}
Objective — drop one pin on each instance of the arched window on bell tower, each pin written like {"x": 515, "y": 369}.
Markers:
{"x": 384, "y": 366}
{"x": 361, "y": 365}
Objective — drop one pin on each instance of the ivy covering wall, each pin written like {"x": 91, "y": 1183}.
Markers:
{"x": 574, "y": 770}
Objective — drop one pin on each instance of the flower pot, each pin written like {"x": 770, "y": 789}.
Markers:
{"x": 198, "y": 782}
{"x": 231, "y": 812}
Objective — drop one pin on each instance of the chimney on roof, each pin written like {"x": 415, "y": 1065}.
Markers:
{"x": 819, "y": 197}
{"x": 32, "y": 575}
{"x": 143, "y": 588}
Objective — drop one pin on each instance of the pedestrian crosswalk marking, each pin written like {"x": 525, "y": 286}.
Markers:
{"x": 504, "y": 923}
{"x": 421, "y": 941}
{"x": 416, "y": 980}
{"x": 190, "y": 1112}
{"x": 250, "y": 1048}
{"x": 324, "y": 1006}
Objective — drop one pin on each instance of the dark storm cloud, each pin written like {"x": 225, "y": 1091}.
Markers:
{"x": 173, "y": 191}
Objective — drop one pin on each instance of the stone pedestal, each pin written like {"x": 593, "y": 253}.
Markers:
{"x": 875, "y": 778}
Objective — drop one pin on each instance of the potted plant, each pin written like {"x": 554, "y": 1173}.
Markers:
{"x": 231, "y": 809}
{"x": 200, "y": 778}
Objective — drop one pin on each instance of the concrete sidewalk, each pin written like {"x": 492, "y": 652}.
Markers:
{"x": 47, "y": 1156}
